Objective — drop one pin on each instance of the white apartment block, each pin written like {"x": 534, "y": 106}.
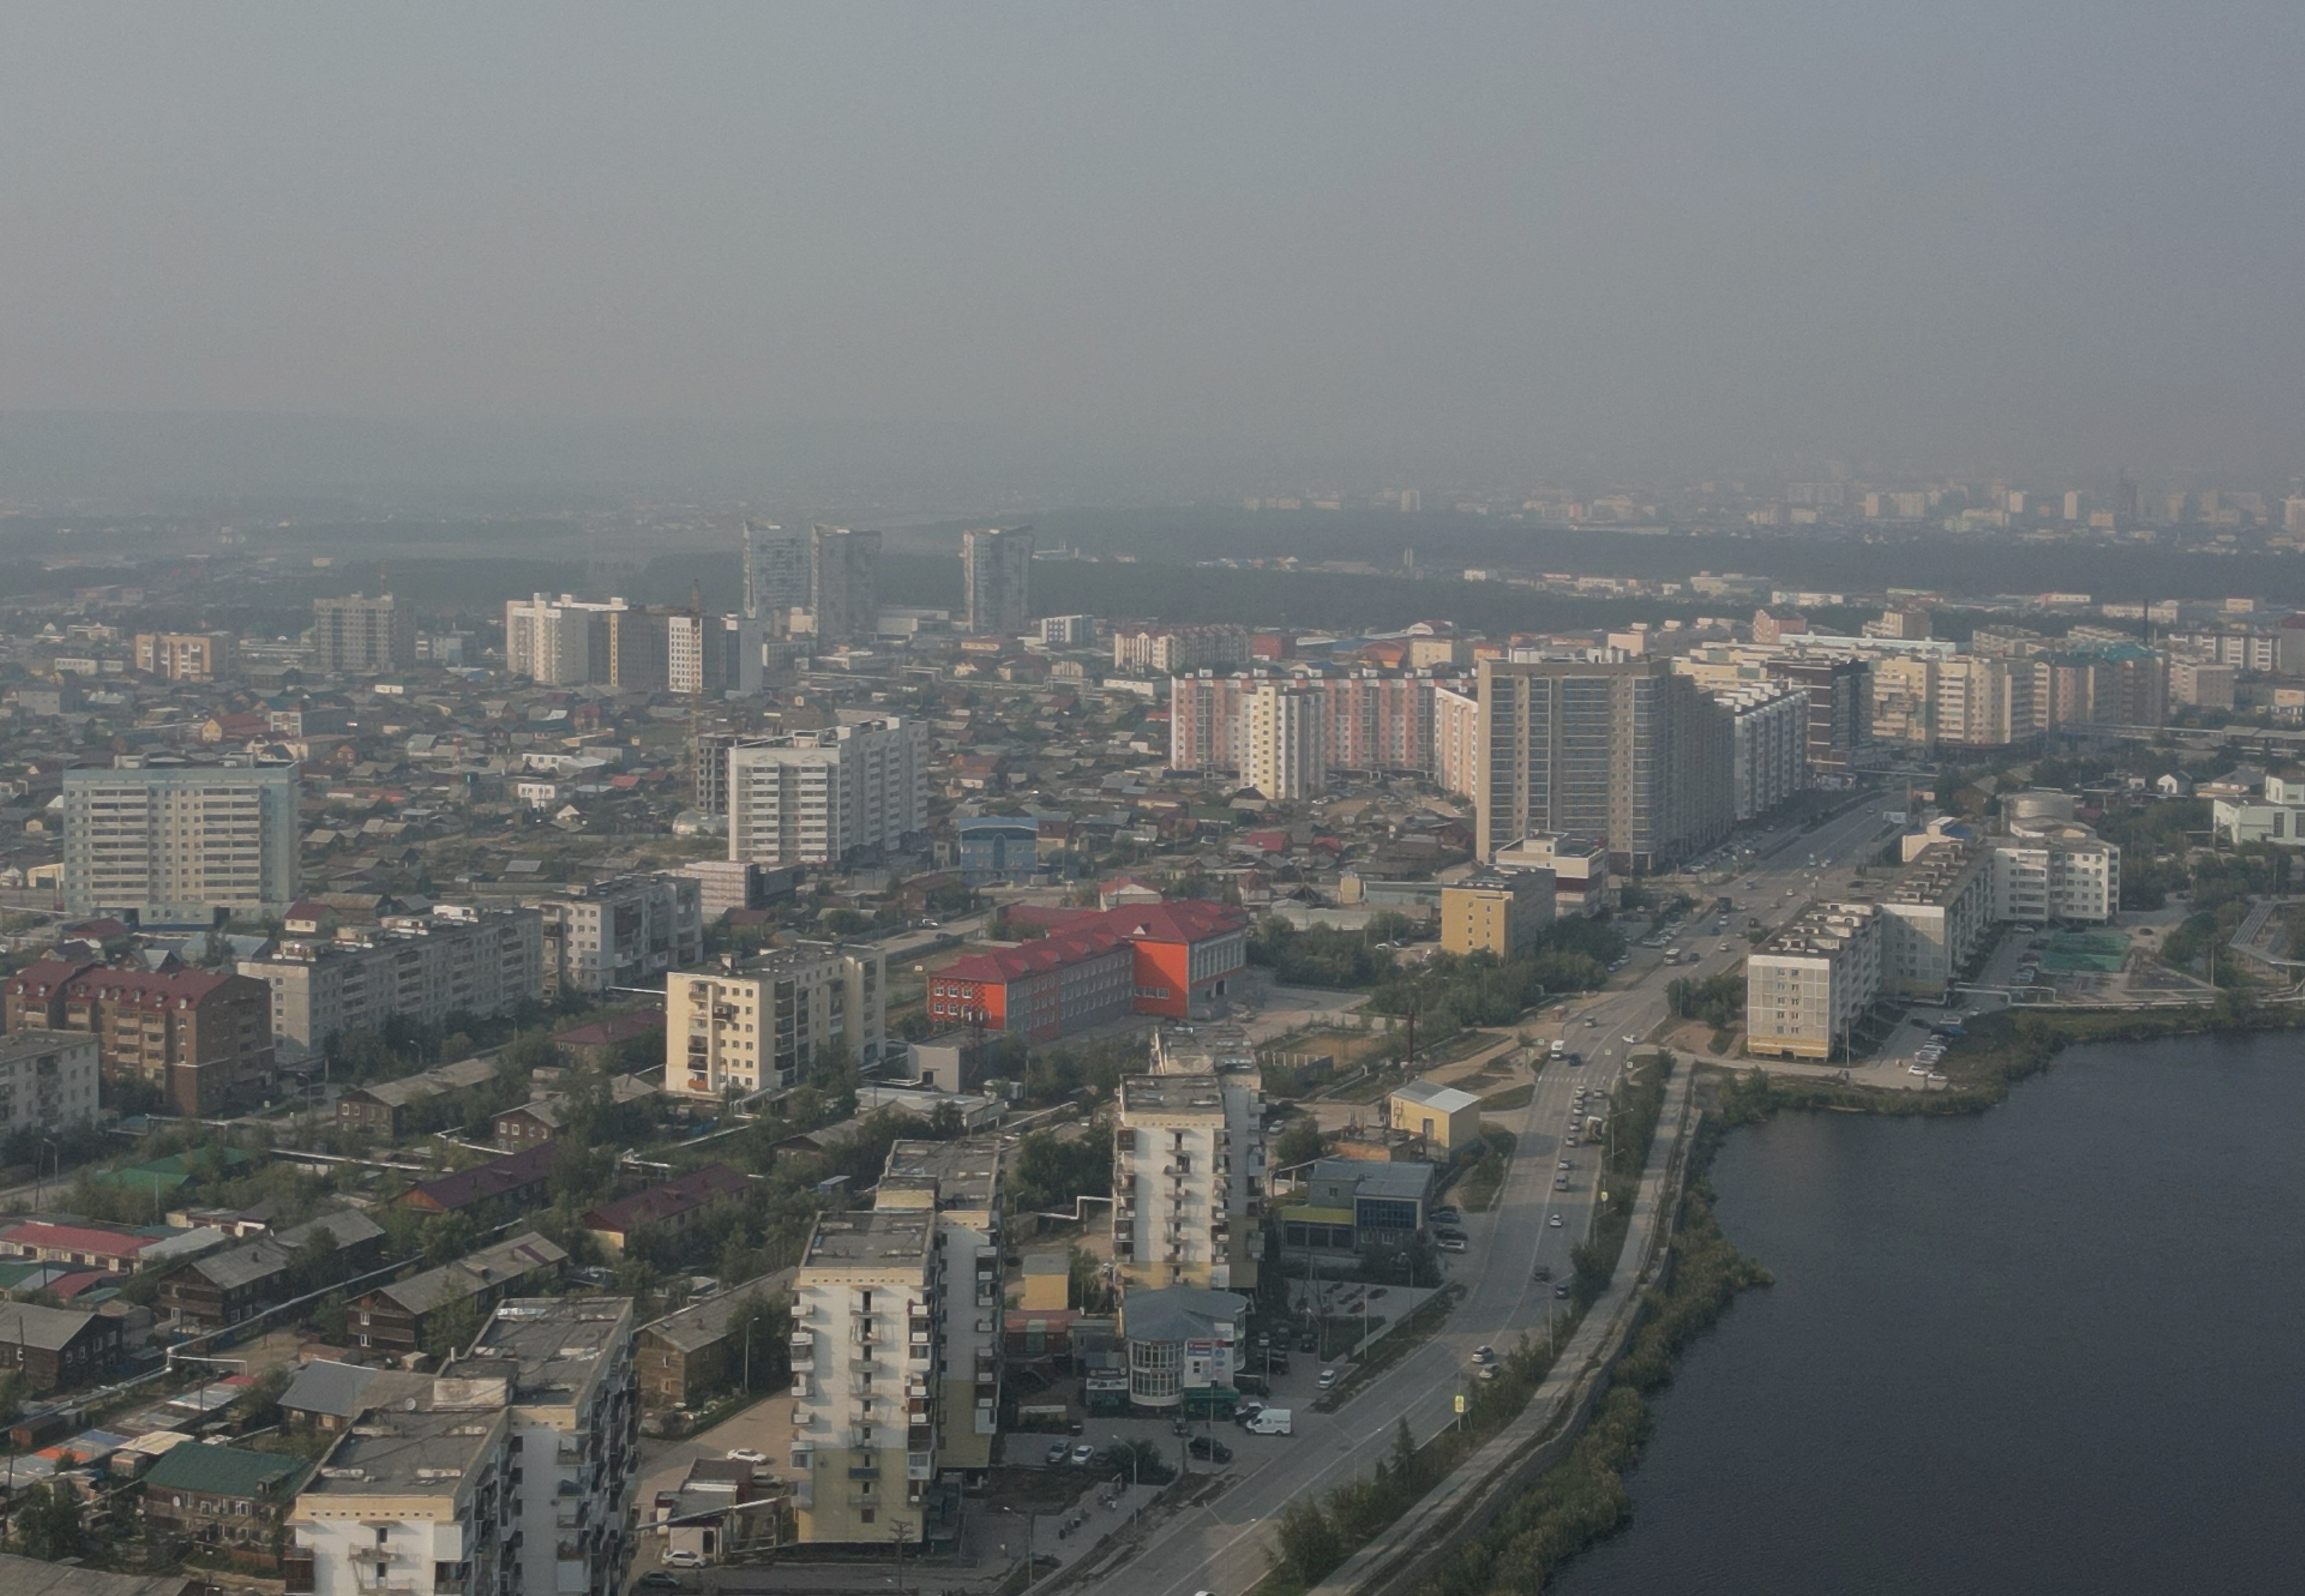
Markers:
{"x": 739, "y": 1032}
{"x": 180, "y": 845}
{"x": 2047, "y": 869}
{"x": 1282, "y": 741}
{"x": 1069, "y": 632}
{"x": 424, "y": 968}
{"x": 1188, "y": 1181}
{"x": 816, "y": 797}
{"x": 1935, "y": 917}
{"x": 407, "y": 1504}
{"x": 562, "y": 642}
{"x": 865, "y": 1307}
{"x": 1809, "y": 985}
{"x": 959, "y": 1183}
{"x": 1769, "y": 744}
{"x": 1172, "y": 651}
{"x": 626, "y": 931}
{"x": 561, "y": 1370}
{"x": 1456, "y": 738}
{"x": 47, "y": 1082}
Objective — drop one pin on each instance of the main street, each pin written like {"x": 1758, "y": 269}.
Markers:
{"x": 1225, "y": 1546}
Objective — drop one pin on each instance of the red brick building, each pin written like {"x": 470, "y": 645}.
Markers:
{"x": 1091, "y": 968}
{"x": 202, "y": 1036}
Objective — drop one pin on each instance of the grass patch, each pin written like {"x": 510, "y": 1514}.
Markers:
{"x": 1512, "y": 1097}
{"x": 1479, "y": 1184}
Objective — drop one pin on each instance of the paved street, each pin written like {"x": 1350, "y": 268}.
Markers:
{"x": 1224, "y": 1547}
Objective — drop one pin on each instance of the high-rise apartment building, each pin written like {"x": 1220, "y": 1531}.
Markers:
{"x": 815, "y": 797}
{"x": 739, "y": 1032}
{"x": 1905, "y": 699}
{"x": 560, "y": 1371}
{"x": 843, "y": 594}
{"x": 1935, "y": 917}
{"x": 1625, "y": 751}
{"x": 356, "y": 635}
{"x": 180, "y": 845}
{"x": 996, "y": 566}
{"x": 865, "y": 1302}
{"x": 959, "y": 1183}
{"x": 185, "y": 656}
{"x": 1840, "y": 690}
{"x": 47, "y": 1082}
{"x": 624, "y": 931}
{"x": 561, "y": 643}
{"x": 422, "y": 968}
{"x": 1371, "y": 720}
{"x": 776, "y": 572}
{"x": 1283, "y": 740}
{"x": 1188, "y": 1181}
{"x": 1983, "y": 701}
{"x": 1768, "y": 745}
{"x": 1456, "y": 737}
{"x": 1069, "y": 632}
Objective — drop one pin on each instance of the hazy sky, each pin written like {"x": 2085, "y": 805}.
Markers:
{"x": 1405, "y": 239}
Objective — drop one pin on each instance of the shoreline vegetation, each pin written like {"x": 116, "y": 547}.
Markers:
{"x": 1585, "y": 1499}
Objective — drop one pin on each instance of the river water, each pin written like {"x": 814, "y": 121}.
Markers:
{"x": 2057, "y": 1348}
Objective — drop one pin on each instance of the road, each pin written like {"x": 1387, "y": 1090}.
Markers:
{"x": 1224, "y": 1547}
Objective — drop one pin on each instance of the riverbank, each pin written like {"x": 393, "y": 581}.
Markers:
{"x": 1967, "y": 1314}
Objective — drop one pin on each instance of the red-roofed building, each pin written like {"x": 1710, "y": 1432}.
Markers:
{"x": 90, "y": 1246}
{"x": 1142, "y": 958}
{"x": 202, "y": 1036}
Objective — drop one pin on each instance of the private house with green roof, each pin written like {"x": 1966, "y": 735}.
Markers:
{"x": 225, "y": 1497}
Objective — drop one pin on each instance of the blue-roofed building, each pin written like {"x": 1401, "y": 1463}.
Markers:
{"x": 998, "y": 850}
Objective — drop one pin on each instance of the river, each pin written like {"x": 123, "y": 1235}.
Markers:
{"x": 2056, "y": 1347}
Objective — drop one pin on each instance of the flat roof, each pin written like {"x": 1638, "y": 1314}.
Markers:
{"x": 427, "y": 1453}
{"x": 964, "y": 1173}
{"x": 1171, "y": 1094}
{"x": 880, "y": 1235}
{"x": 546, "y": 1347}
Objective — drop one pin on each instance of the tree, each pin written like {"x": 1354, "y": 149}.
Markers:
{"x": 1309, "y": 1546}
{"x": 449, "y": 1330}
{"x": 47, "y": 1525}
{"x": 1298, "y": 1143}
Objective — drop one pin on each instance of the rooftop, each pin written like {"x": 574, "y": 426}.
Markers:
{"x": 402, "y": 1453}
{"x": 898, "y": 1238}
{"x": 1432, "y": 1094}
{"x": 1171, "y": 1094}
{"x": 962, "y": 1174}
{"x": 546, "y": 1347}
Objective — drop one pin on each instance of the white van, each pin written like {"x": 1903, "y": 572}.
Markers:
{"x": 1558, "y": 1047}
{"x": 1271, "y": 1420}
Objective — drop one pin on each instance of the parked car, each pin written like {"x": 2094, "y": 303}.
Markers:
{"x": 1084, "y": 1454}
{"x": 1328, "y": 1378}
{"x": 680, "y": 1556}
{"x": 1561, "y": 1290}
{"x": 1543, "y": 1272}
{"x": 1451, "y": 1243}
{"x": 1485, "y": 1354}
{"x": 746, "y": 1455}
{"x": 1057, "y": 1455}
{"x": 1489, "y": 1371}
{"x": 1209, "y": 1451}
{"x": 659, "y": 1579}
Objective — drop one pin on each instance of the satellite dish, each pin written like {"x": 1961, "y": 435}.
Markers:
{"x": 408, "y": 1405}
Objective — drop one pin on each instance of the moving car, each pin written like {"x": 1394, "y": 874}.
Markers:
{"x": 1328, "y": 1378}
{"x": 1554, "y": 1221}
{"x": 1270, "y": 1421}
{"x": 1489, "y": 1371}
{"x": 1210, "y": 1451}
{"x": 1543, "y": 1272}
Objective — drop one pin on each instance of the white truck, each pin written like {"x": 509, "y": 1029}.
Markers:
{"x": 1270, "y": 1421}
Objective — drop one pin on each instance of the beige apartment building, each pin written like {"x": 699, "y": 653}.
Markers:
{"x": 1188, "y": 1181}
{"x": 958, "y": 1184}
{"x": 737, "y": 1032}
{"x": 1935, "y": 916}
{"x": 1809, "y": 985}
{"x": 1502, "y": 912}
{"x": 1282, "y": 741}
{"x": 185, "y": 656}
{"x": 864, "y": 1304}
